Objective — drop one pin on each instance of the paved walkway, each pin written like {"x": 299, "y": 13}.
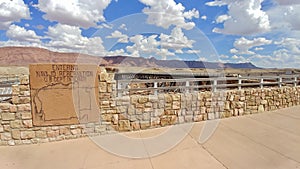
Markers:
{"x": 267, "y": 140}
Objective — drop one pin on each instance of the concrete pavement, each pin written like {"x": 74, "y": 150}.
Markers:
{"x": 266, "y": 140}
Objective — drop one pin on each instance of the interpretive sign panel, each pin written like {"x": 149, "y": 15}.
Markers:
{"x": 63, "y": 94}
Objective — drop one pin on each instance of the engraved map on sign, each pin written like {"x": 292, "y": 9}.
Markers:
{"x": 63, "y": 94}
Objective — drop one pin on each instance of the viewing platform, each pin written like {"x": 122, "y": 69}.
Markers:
{"x": 264, "y": 140}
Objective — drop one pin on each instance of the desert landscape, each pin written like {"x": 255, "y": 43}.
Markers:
{"x": 15, "y": 61}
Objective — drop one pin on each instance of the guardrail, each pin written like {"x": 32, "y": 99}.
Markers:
{"x": 153, "y": 86}
{"x": 6, "y": 87}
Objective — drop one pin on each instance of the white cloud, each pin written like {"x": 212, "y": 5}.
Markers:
{"x": 286, "y": 55}
{"x": 239, "y": 59}
{"x": 234, "y": 50}
{"x": 287, "y": 2}
{"x": 123, "y": 26}
{"x": 204, "y": 17}
{"x": 21, "y": 44}
{"x": 142, "y": 44}
{"x": 193, "y": 51}
{"x": 285, "y": 17}
{"x": 164, "y": 13}
{"x": 176, "y": 40}
{"x": 122, "y": 38}
{"x": 69, "y": 39}
{"x": 82, "y": 13}
{"x": 216, "y": 3}
{"x": 12, "y": 11}
{"x": 243, "y": 45}
{"x": 20, "y": 34}
{"x": 164, "y": 53}
{"x": 105, "y": 25}
{"x": 291, "y": 44}
{"x": 246, "y": 18}
{"x": 118, "y": 52}
{"x": 222, "y": 18}
{"x": 162, "y": 45}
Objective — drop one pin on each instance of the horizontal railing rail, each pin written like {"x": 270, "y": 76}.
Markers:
{"x": 6, "y": 87}
{"x": 214, "y": 83}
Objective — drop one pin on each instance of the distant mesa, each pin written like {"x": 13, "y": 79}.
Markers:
{"x": 23, "y": 56}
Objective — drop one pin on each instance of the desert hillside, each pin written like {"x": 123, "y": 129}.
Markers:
{"x": 23, "y": 56}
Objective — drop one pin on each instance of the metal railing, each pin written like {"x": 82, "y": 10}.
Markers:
{"x": 153, "y": 86}
{"x": 6, "y": 87}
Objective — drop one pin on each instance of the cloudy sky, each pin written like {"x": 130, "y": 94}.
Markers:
{"x": 264, "y": 32}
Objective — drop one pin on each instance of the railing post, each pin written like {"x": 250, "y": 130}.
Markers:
{"x": 240, "y": 84}
{"x": 155, "y": 86}
{"x": 295, "y": 81}
{"x": 119, "y": 86}
{"x": 215, "y": 83}
{"x": 280, "y": 82}
{"x": 261, "y": 83}
{"x": 187, "y": 84}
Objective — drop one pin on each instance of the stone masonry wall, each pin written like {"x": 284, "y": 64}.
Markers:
{"x": 135, "y": 112}
{"x": 16, "y": 125}
{"x": 138, "y": 112}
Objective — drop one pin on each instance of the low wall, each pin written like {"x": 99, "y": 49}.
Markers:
{"x": 137, "y": 112}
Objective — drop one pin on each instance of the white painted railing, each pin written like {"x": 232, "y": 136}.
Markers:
{"x": 215, "y": 83}
{"x": 6, "y": 86}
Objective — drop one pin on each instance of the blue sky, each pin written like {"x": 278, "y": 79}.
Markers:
{"x": 264, "y": 32}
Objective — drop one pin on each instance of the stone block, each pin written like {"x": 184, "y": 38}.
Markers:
{"x": 168, "y": 120}
{"x": 64, "y": 131}
{"x": 1, "y": 129}
{"x": 24, "y": 108}
{"x": 202, "y": 110}
{"x": 11, "y": 143}
{"x": 16, "y": 134}
{"x": 124, "y": 125}
{"x": 261, "y": 108}
{"x": 6, "y": 136}
{"x": 143, "y": 100}
{"x": 103, "y": 77}
{"x": 16, "y": 124}
{"x": 15, "y": 89}
{"x": 176, "y": 97}
{"x": 5, "y": 106}
{"x": 106, "y": 117}
{"x": 27, "y": 123}
{"x": 24, "y": 80}
{"x": 27, "y": 134}
{"x": 8, "y": 116}
{"x": 198, "y": 118}
{"x": 102, "y": 87}
{"x": 53, "y": 133}
{"x": 135, "y": 125}
{"x": 168, "y": 98}
{"x": 176, "y": 105}
{"x": 15, "y": 99}
{"x": 26, "y": 115}
{"x": 76, "y": 131}
{"x": 115, "y": 119}
{"x": 24, "y": 88}
{"x": 13, "y": 109}
{"x": 7, "y": 127}
{"x": 24, "y": 100}
{"x": 41, "y": 134}
{"x": 145, "y": 125}
{"x": 188, "y": 118}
